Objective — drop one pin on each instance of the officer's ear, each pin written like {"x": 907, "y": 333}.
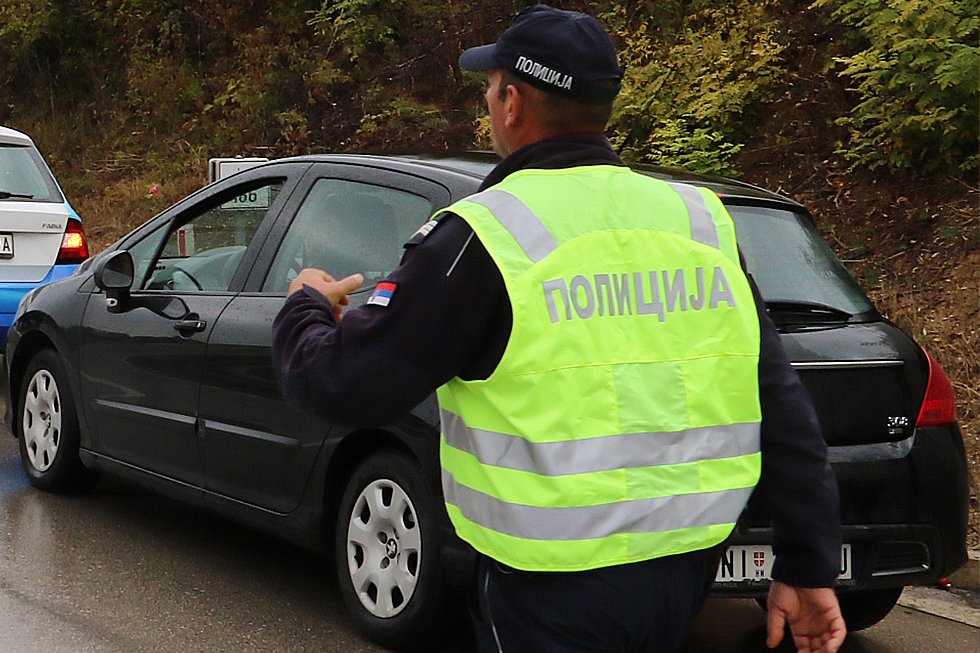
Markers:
{"x": 515, "y": 106}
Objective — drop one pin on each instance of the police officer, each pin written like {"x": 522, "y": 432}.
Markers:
{"x": 600, "y": 433}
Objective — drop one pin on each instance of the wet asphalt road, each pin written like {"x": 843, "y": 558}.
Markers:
{"x": 120, "y": 570}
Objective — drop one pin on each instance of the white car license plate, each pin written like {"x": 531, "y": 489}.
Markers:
{"x": 754, "y": 562}
{"x": 6, "y": 245}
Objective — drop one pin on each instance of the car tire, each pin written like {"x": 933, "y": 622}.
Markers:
{"x": 48, "y": 428}
{"x": 865, "y": 608}
{"x": 388, "y": 550}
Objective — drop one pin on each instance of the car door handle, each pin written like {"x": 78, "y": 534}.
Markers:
{"x": 189, "y": 326}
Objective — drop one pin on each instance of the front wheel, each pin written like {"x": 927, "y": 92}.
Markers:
{"x": 49, "y": 434}
{"x": 388, "y": 552}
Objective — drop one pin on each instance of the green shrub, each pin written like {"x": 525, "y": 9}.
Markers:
{"x": 917, "y": 80}
{"x": 361, "y": 26}
{"x": 373, "y": 28}
{"x": 22, "y": 24}
{"x": 691, "y": 88}
{"x": 51, "y": 51}
{"x": 161, "y": 90}
{"x": 401, "y": 122}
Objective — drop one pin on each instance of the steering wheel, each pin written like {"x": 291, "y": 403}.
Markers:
{"x": 197, "y": 284}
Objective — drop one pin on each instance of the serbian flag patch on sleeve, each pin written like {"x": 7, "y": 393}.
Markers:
{"x": 383, "y": 292}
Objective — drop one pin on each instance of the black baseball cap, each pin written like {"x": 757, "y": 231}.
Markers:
{"x": 563, "y": 52}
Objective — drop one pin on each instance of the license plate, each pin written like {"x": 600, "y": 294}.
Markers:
{"x": 6, "y": 245}
{"x": 754, "y": 563}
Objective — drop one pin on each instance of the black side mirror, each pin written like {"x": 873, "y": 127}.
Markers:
{"x": 114, "y": 274}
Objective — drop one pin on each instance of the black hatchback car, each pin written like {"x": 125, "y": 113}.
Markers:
{"x": 152, "y": 362}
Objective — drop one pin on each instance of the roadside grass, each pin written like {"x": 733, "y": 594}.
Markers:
{"x": 121, "y": 205}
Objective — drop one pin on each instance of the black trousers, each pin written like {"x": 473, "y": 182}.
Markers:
{"x": 639, "y": 607}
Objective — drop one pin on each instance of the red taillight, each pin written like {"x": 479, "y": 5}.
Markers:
{"x": 74, "y": 249}
{"x": 938, "y": 407}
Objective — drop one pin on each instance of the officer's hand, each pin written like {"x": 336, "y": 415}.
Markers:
{"x": 335, "y": 291}
{"x": 813, "y": 614}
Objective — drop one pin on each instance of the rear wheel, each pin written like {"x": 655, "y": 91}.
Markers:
{"x": 388, "y": 552}
{"x": 863, "y": 609}
{"x": 49, "y": 435}
{"x": 866, "y": 608}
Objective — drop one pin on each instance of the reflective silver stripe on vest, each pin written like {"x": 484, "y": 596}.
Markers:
{"x": 529, "y": 232}
{"x": 590, "y": 522}
{"x": 702, "y": 225}
{"x": 602, "y": 453}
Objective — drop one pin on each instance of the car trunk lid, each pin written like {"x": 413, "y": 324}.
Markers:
{"x": 30, "y": 239}
{"x": 866, "y": 380}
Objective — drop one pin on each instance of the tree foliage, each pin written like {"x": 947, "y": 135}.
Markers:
{"x": 696, "y": 73}
{"x": 51, "y": 50}
{"x": 296, "y": 76}
{"x": 917, "y": 76}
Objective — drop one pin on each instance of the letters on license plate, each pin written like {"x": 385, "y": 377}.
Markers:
{"x": 6, "y": 245}
{"x": 754, "y": 563}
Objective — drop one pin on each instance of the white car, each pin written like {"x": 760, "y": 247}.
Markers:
{"x": 41, "y": 237}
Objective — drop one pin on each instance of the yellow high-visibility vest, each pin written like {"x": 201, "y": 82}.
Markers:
{"x": 622, "y": 421}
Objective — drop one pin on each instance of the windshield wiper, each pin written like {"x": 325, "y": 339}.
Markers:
{"x": 6, "y": 195}
{"x": 810, "y": 309}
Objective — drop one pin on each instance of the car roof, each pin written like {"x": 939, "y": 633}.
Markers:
{"x": 13, "y": 137}
{"x": 476, "y": 165}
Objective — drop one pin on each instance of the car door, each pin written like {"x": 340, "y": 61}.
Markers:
{"x": 143, "y": 365}
{"x": 346, "y": 218}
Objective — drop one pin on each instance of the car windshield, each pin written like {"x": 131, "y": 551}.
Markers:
{"x": 792, "y": 265}
{"x": 23, "y": 176}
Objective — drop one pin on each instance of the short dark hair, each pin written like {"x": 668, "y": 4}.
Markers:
{"x": 560, "y": 113}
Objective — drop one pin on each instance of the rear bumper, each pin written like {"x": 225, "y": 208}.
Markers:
{"x": 904, "y": 517}
{"x": 882, "y": 556}
{"x": 12, "y": 293}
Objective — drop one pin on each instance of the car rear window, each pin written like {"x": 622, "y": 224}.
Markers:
{"x": 790, "y": 261}
{"x": 24, "y": 175}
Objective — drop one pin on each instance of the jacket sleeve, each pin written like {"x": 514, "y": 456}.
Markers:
{"x": 379, "y": 362}
{"x": 797, "y": 481}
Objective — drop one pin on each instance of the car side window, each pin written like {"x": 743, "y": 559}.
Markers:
{"x": 202, "y": 253}
{"x": 345, "y": 227}
{"x": 143, "y": 253}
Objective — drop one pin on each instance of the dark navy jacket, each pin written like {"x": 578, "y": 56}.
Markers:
{"x": 450, "y": 316}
